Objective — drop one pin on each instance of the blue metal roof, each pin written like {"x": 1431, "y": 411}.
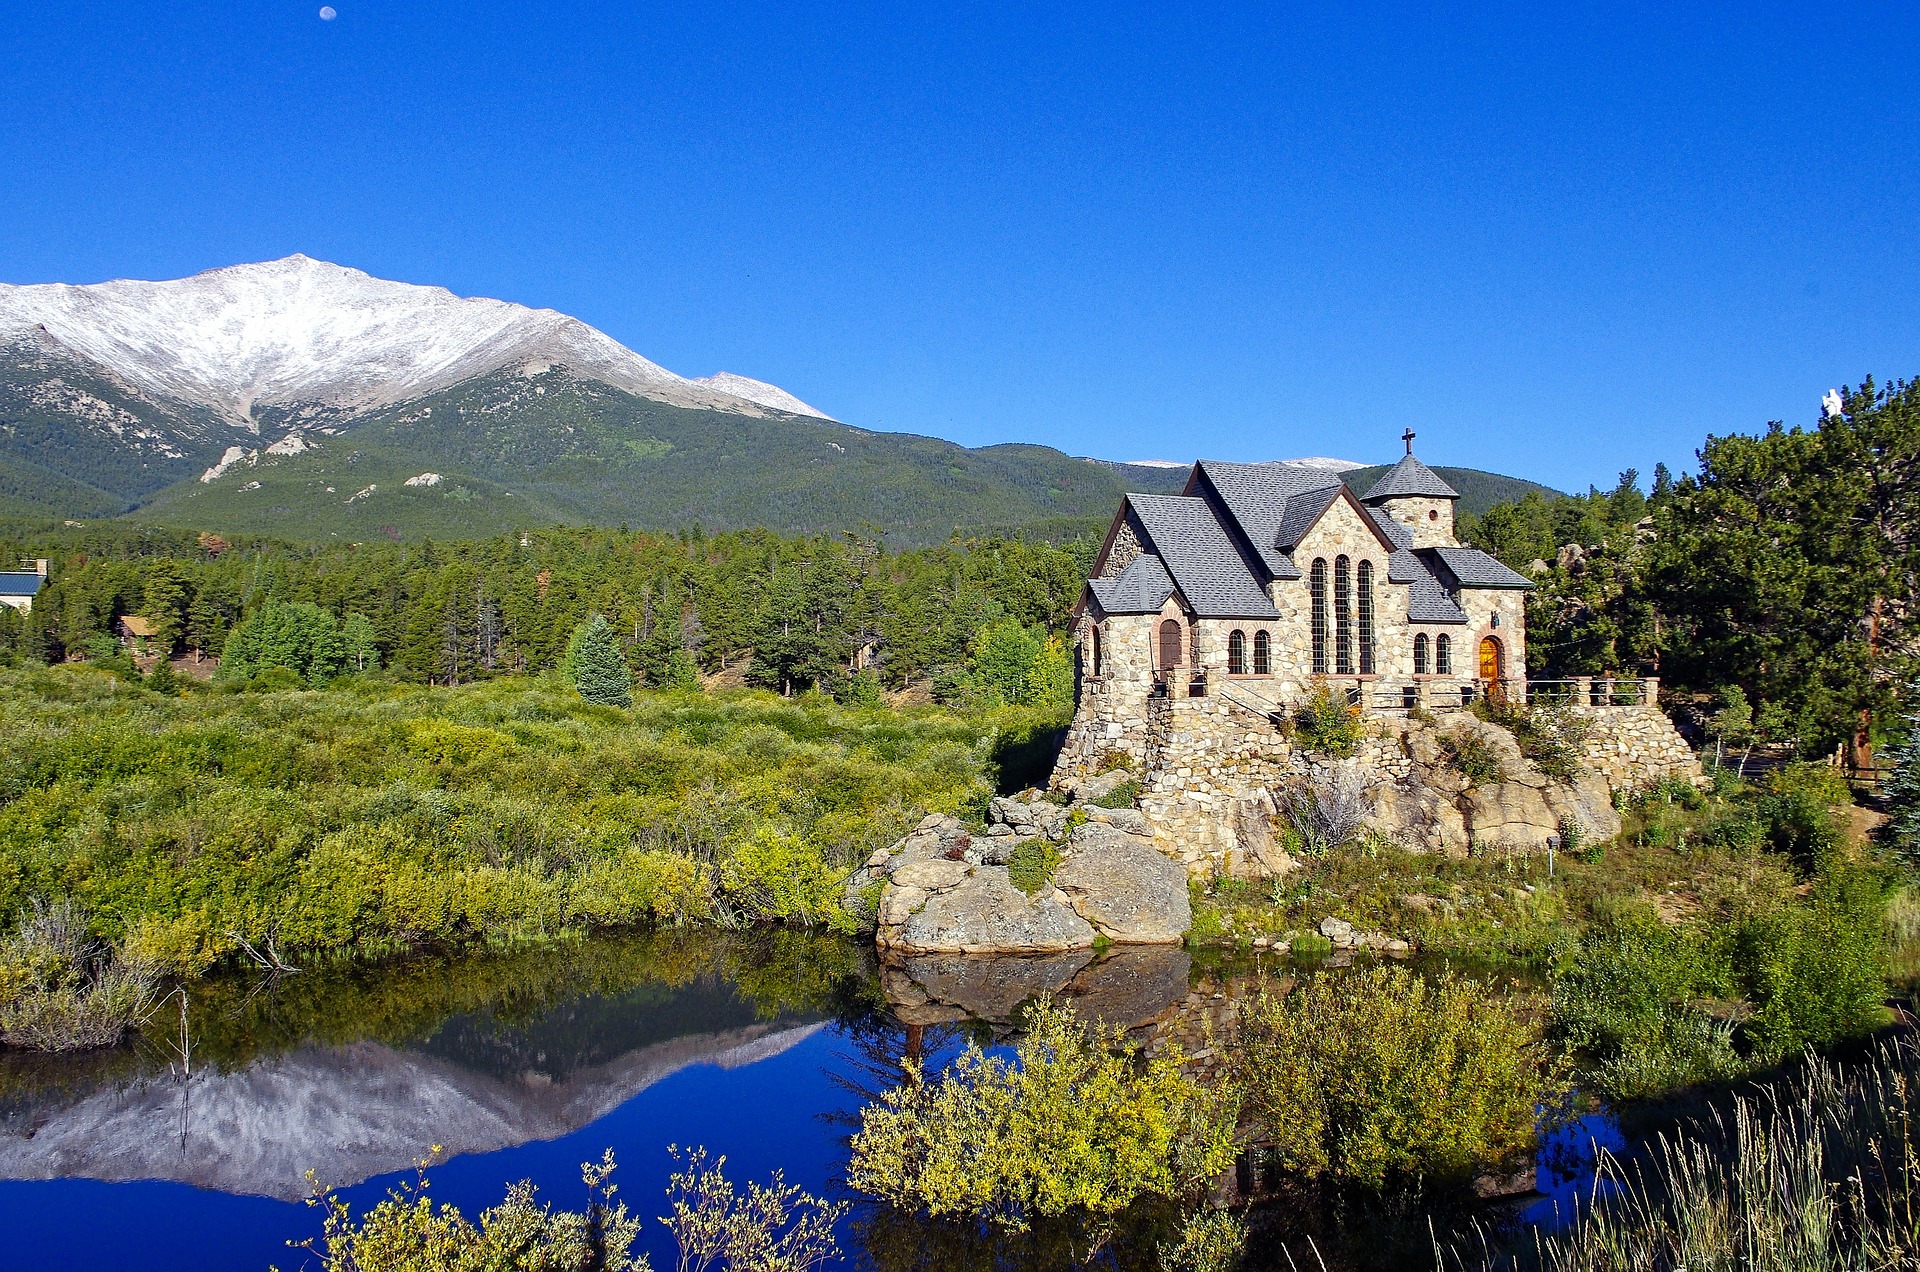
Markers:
{"x": 21, "y": 583}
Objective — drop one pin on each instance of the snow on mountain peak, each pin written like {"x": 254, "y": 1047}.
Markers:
{"x": 299, "y": 330}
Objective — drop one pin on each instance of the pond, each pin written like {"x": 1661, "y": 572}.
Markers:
{"x": 762, "y": 1047}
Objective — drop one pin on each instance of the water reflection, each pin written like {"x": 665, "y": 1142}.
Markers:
{"x": 1129, "y": 987}
{"x": 499, "y": 1056}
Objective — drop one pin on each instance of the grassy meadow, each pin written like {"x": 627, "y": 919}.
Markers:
{"x": 376, "y": 817}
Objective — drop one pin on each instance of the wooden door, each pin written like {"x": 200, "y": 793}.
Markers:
{"x": 1169, "y": 644}
{"x": 1490, "y": 659}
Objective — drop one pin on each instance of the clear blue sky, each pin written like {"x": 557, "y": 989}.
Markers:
{"x": 1557, "y": 240}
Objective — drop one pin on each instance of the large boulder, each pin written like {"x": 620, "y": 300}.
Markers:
{"x": 1124, "y": 886}
{"x": 1588, "y": 801}
{"x": 1512, "y": 815}
{"x": 980, "y": 913}
{"x": 1086, "y": 790}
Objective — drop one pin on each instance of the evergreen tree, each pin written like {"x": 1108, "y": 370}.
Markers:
{"x": 596, "y": 666}
{"x": 164, "y": 601}
{"x": 1902, "y": 786}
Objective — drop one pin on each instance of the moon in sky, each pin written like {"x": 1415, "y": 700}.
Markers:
{"x": 327, "y": 14}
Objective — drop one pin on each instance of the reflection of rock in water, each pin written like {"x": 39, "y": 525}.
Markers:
{"x": 1130, "y": 986}
{"x": 347, "y": 1113}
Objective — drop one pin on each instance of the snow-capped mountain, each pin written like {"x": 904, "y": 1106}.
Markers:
{"x": 300, "y": 333}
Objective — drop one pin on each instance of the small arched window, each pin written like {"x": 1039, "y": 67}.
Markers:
{"x": 1319, "y": 590}
{"x": 1169, "y": 644}
{"x": 1366, "y": 617}
{"x": 1099, "y": 653}
{"x": 1420, "y": 654}
{"x": 1443, "y": 655}
{"x": 1237, "y": 653}
{"x": 1262, "y": 654}
{"x": 1342, "y": 616}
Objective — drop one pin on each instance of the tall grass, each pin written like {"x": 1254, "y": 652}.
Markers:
{"x": 1818, "y": 1172}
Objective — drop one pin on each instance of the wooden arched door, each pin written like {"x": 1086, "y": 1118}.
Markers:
{"x": 1490, "y": 660}
{"x": 1169, "y": 644}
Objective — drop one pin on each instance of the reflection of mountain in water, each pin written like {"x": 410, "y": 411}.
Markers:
{"x": 351, "y": 1112}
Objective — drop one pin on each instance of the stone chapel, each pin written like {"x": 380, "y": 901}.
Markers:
{"x": 1261, "y": 581}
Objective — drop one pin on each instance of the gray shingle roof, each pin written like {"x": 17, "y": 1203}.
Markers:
{"x": 1302, "y": 511}
{"x": 1427, "y": 599}
{"x": 1261, "y": 499}
{"x": 1141, "y": 588}
{"x": 1470, "y": 567}
{"x": 1410, "y": 477}
{"x": 1200, "y": 554}
{"x": 26, "y": 583}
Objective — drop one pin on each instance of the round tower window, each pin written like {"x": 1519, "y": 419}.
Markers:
{"x": 1433, "y": 514}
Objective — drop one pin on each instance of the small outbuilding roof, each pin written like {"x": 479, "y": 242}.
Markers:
{"x": 1410, "y": 477}
{"x": 134, "y": 625}
{"x": 21, "y": 583}
{"x": 1142, "y": 588}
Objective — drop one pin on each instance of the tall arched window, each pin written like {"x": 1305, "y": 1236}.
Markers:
{"x": 1443, "y": 655}
{"x": 1366, "y": 617}
{"x": 1420, "y": 654}
{"x": 1169, "y": 644}
{"x": 1342, "y": 616}
{"x": 1237, "y": 653}
{"x": 1099, "y": 654}
{"x": 1319, "y": 589}
{"x": 1262, "y": 654}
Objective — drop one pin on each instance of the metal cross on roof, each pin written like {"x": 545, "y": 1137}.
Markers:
{"x": 1407, "y": 437}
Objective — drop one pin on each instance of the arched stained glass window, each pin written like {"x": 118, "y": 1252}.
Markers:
{"x": 1262, "y": 654}
{"x": 1342, "y": 616}
{"x": 1319, "y": 588}
{"x": 1366, "y": 617}
{"x": 1237, "y": 653}
{"x": 1443, "y": 655}
{"x": 1420, "y": 654}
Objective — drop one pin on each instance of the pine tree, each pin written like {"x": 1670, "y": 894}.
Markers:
{"x": 1902, "y": 787}
{"x": 596, "y": 666}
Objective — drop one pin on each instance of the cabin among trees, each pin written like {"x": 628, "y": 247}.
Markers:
{"x": 1261, "y": 582}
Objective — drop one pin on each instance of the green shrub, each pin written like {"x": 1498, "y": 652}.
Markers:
{"x": 1816, "y": 973}
{"x": 1328, "y": 724}
{"x": 1798, "y": 812}
{"x": 1548, "y": 733}
{"x": 1079, "y": 1123}
{"x": 62, "y": 990}
{"x": 1121, "y": 796}
{"x": 1380, "y": 1074}
{"x": 1310, "y": 947}
{"x": 1030, "y": 866}
{"x": 1474, "y": 758}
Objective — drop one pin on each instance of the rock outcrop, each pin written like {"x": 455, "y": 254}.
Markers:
{"x": 944, "y": 889}
{"x": 1120, "y": 883}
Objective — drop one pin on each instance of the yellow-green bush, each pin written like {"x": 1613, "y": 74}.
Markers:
{"x": 1081, "y": 1124}
{"x": 1380, "y": 1074}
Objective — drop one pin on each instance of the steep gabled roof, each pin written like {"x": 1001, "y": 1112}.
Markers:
{"x": 1470, "y": 567}
{"x": 1263, "y": 500}
{"x": 1410, "y": 477}
{"x": 1141, "y": 588}
{"x": 1201, "y": 555}
{"x": 17, "y": 583}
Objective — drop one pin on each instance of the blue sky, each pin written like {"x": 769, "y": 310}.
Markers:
{"x": 1557, "y": 243}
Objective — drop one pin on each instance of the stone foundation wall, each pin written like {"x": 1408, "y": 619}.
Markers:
{"x": 1634, "y": 747}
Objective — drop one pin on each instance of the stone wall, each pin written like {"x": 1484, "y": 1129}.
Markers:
{"x": 1634, "y": 747}
{"x": 1430, "y": 520}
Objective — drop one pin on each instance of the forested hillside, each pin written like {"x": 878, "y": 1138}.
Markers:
{"x": 788, "y": 613}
